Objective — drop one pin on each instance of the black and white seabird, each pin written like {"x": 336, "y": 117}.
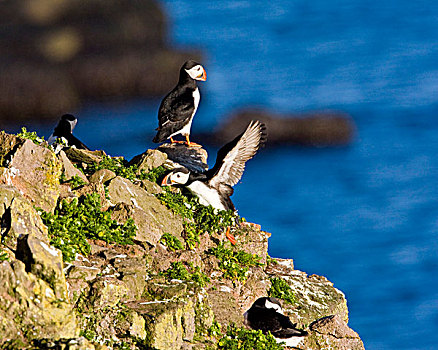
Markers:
{"x": 214, "y": 187}
{"x": 266, "y": 314}
{"x": 65, "y": 129}
{"x": 179, "y": 106}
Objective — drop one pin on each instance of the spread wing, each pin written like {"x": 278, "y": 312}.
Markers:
{"x": 231, "y": 158}
{"x": 177, "y": 106}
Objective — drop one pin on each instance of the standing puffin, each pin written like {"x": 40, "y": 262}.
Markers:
{"x": 178, "y": 108}
{"x": 214, "y": 187}
{"x": 266, "y": 314}
{"x": 64, "y": 129}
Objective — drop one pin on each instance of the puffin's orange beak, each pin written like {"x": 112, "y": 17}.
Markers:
{"x": 166, "y": 181}
{"x": 202, "y": 76}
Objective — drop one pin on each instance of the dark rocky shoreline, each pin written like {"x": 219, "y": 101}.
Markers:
{"x": 58, "y": 54}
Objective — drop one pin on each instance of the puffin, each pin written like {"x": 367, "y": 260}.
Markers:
{"x": 266, "y": 314}
{"x": 64, "y": 129}
{"x": 179, "y": 106}
{"x": 215, "y": 186}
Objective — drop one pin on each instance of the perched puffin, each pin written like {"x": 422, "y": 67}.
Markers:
{"x": 266, "y": 314}
{"x": 178, "y": 108}
{"x": 214, "y": 187}
{"x": 64, "y": 129}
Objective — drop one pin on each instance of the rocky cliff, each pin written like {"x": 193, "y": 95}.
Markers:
{"x": 96, "y": 255}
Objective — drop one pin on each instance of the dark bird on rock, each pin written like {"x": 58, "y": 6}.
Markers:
{"x": 266, "y": 314}
{"x": 215, "y": 186}
{"x": 65, "y": 129}
{"x": 179, "y": 106}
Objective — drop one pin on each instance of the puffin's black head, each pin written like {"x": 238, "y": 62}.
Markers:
{"x": 268, "y": 303}
{"x": 66, "y": 125}
{"x": 178, "y": 176}
{"x": 194, "y": 70}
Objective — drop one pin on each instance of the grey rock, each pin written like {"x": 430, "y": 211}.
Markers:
{"x": 36, "y": 171}
{"x": 69, "y": 169}
{"x": 333, "y": 332}
{"x": 44, "y": 261}
{"x": 154, "y": 218}
{"x": 102, "y": 176}
{"x": 193, "y": 158}
{"x": 149, "y": 160}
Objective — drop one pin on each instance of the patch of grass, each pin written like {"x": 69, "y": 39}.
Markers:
{"x": 30, "y": 135}
{"x": 3, "y": 256}
{"x": 234, "y": 264}
{"x": 180, "y": 271}
{"x": 247, "y": 339}
{"x": 120, "y": 167}
{"x": 280, "y": 289}
{"x": 154, "y": 175}
{"x": 171, "y": 242}
{"x": 73, "y": 223}
{"x": 74, "y": 182}
{"x": 198, "y": 218}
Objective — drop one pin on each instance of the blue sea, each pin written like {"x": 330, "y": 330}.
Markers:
{"x": 366, "y": 215}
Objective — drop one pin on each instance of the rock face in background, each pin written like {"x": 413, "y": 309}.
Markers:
{"x": 58, "y": 53}
{"x": 118, "y": 296}
{"x": 317, "y": 129}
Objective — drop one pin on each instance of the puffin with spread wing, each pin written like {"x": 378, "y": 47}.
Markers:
{"x": 65, "y": 129}
{"x": 179, "y": 106}
{"x": 215, "y": 186}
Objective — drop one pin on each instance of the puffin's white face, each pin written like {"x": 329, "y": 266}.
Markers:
{"x": 274, "y": 306}
{"x": 177, "y": 177}
{"x": 73, "y": 123}
{"x": 197, "y": 73}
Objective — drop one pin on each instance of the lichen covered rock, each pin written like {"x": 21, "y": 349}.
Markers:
{"x": 36, "y": 174}
{"x": 154, "y": 219}
{"x": 30, "y": 309}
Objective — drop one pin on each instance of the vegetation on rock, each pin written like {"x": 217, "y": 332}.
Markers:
{"x": 198, "y": 218}
{"x": 234, "y": 264}
{"x": 120, "y": 167}
{"x": 171, "y": 242}
{"x": 280, "y": 289}
{"x": 30, "y": 135}
{"x": 247, "y": 339}
{"x": 74, "y": 222}
{"x": 179, "y": 271}
{"x": 3, "y": 255}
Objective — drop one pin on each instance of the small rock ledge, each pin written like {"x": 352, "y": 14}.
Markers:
{"x": 121, "y": 296}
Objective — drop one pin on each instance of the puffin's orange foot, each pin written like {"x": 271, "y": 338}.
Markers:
{"x": 230, "y": 236}
{"x": 175, "y": 141}
{"x": 193, "y": 144}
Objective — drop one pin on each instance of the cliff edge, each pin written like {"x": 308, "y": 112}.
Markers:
{"x": 96, "y": 255}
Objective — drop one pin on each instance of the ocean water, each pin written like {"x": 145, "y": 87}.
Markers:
{"x": 365, "y": 215}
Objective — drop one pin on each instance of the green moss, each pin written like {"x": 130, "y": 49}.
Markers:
{"x": 198, "y": 218}
{"x": 73, "y": 223}
{"x": 280, "y": 289}
{"x": 3, "y": 255}
{"x": 171, "y": 242}
{"x": 247, "y": 339}
{"x": 120, "y": 167}
{"x": 234, "y": 263}
{"x": 74, "y": 182}
{"x": 180, "y": 271}
{"x": 24, "y": 134}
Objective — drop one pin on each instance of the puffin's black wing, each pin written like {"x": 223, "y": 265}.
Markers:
{"x": 269, "y": 320}
{"x": 231, "y": 158}
{"x": 177, "y": 106}
{"x": 74, "y": 141}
